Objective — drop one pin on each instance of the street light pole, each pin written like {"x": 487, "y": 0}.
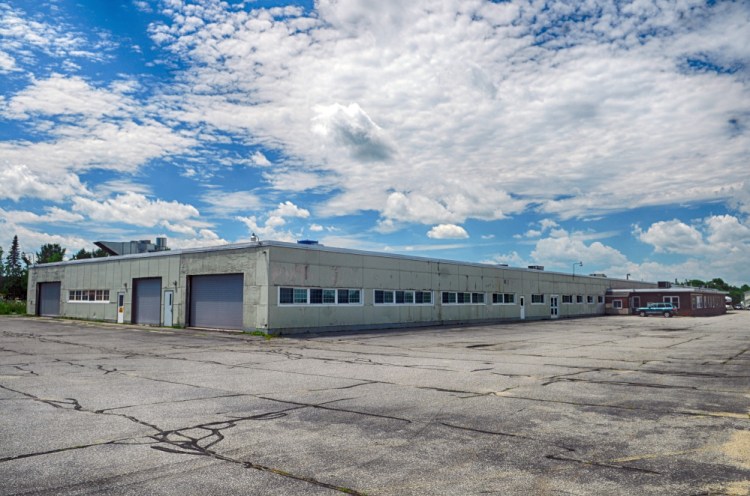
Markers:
{"x": 580, "y": 264}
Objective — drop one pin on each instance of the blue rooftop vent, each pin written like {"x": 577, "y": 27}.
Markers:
{"x": 307, "y": 242}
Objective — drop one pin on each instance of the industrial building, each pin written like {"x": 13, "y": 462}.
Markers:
{"x": 687, "y": 301}
{"x": 284, "y": 288}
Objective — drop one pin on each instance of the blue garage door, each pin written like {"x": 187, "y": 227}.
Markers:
{"x": 147, "y": 301}
{"x": 216, "y": 301}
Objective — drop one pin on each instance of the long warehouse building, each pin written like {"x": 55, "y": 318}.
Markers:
{"x": 285, "y": 288}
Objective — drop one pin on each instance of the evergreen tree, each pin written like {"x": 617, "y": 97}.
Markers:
{"x": 2, "y": 272}
{"x": 15, "y": 276}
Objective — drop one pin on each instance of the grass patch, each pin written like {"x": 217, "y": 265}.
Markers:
{"x": 265, "y": 335}
{"x": 11, "y": 307}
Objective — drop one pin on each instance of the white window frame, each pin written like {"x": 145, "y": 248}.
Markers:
{"x": 297, "y": 291}
{"x": 567, "y": 299}
{"x": 589, "y": 299}
{"x": 503, "y": 297}
{"x": 468, "y": 297}
{"x": 617, "y": 304}
{"x": 408, "y": 297}
{"x": 672, "y": 300}
{"x": 540, "y": 296}
{"x": 77, "y": 296}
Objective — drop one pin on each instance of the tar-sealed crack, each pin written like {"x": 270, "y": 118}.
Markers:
{"x": 186, "y": 441}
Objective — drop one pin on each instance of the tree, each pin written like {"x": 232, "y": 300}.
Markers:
{"x": 81, "y": 254}
{"x": 2, "y": 271}
{"x": 15, "y": 276}
{"x": 50, "y": 253}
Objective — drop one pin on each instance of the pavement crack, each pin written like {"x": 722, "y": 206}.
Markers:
{"x": 601, "y": 464}
{"x": 506, "y": 434}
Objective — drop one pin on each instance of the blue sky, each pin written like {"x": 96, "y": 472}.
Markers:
{"x": 612, "y": 133}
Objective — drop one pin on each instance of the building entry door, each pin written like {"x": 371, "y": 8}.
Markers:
{"x": 522, "y": 301}
{"x": 168, "y": 305}
{"x": 120, "y": 307}
{"x": 554, "y": 309}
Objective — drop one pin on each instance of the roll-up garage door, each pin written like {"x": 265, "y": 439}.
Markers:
{"x": 147, "y": 301}
{"x": 216, "y": 301}
{"x": 49, "y": 299}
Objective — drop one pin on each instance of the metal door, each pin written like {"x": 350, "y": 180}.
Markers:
{"x": 523, "y": 308}
{"x": 120, "y": 307}
{"x": 168, "y": 304}
{"x": 216, "y": 301}
{"x": 49, "y": 299}
{"x": 553, "y": 306}
{"x": 147, "y": 301}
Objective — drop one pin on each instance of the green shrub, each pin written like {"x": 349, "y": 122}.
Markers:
{"x": 12, "y": 307}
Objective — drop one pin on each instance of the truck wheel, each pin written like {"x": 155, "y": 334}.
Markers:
{"x": 642, "y": 314}
{"x": 667, "y": 315}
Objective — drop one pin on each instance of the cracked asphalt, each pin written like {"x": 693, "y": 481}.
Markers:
{"x": 608, "y": 405}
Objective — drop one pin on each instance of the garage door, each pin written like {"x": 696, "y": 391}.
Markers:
{"x": 216, "y": 301}
{"x": 49, "y": 299}
{"x": 147, "y": 301}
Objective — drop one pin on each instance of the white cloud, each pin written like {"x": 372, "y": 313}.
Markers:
{"x": 7, "y": 63}
{"x": 468, "y": 102}
{"x": 259, "y": 159}
{"x": 672, "y": 236}
{"x": 316, "y": 227}
{"x": 135, "y": 209}
{"x": 447, "y": 231}
{"x": 61, "y": 95}
{"x": 223, "y": 203}
{"x": 268, "y": 228}
{"x": 289, "y": 209}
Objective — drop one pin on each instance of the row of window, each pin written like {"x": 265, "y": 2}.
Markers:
{"x": 88, "y": 295}
{"x": 319, "y": 296}
{"x": 579, "y": 299}
{"x": 325, "y": 296}
{"x": 398, "y": 297}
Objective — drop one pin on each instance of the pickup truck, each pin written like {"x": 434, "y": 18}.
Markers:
{"x": 665, "y": 309}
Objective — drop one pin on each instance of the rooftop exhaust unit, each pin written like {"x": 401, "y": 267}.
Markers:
{"x": 536, "y": 267}
{"x": 115, "y": 248}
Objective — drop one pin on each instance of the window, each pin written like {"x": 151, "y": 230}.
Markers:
{"x": 348, "y": 296}
{"x": 300, "y": 295}
{"x": 674, "y": 300}
{"x": 423, "y": 297}
{"x": 579, "y": 298}
{"x": 319, "y": 296}
{"x": 567, "y": 298}
{"x": 462, "y": 298}
{"x": 503, "y": 298}
{"x": 589, "y": 299}
{"x": 402, "y": 297}
{"x": 95, "y": 295}
{"x": 617, "y": 303}
{"x": 600, "y": 299}
{"x": 537, "y": 298}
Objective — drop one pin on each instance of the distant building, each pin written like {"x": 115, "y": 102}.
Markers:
{"x": 693, "y": 302}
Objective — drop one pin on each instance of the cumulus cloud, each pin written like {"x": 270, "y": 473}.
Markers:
{"x": 447, "y": 231}
{"x": 351, "y": 129}
{"x": 268, "y": 225}
{"x": 527, "y": 105}
{"x": 672, "y": 236}
{"x": 134, "y": 209}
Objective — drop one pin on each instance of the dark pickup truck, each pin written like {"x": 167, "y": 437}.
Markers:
{"x": 665, "y": 309}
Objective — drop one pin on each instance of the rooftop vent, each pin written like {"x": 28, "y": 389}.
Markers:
{"x": 536, "y": 267}
{"x": 598, "y": 274}
{"x": 307, "y": 242}
{"x": 664, "y": 284}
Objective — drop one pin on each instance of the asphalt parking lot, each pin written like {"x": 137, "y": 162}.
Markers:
{"x": 609, "y": 405}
